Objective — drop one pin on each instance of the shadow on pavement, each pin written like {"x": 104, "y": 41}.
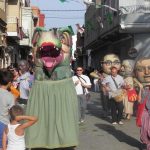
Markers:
{"x": 95, "y": 109}
{"x": 68, "y": 148}
{"x": 120, "y": 136}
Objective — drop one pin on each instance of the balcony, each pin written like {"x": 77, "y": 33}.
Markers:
{"x": 27, "y": 3}
{"x": 3, "y": 39}
{"x": 13, "y": 27}
{"x": 119, "y": 17}
{"x": 25, "y": 38}
{"x": 135, "y": 18}
{"x": 99, "y": 21}
{"x": 3, "y": 16}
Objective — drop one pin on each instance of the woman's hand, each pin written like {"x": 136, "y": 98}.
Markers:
{"x": 77, "y": 82}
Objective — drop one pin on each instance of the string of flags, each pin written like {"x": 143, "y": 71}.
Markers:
{"x": 106, "y": 6}
{"x": 63, "y": 1}
{"x": 80, "y": 29}
{"x": 99, "y": 20}
{"x": 88, "y": 24}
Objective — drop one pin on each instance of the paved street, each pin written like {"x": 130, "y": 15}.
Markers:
{"x": 97, "y": 133}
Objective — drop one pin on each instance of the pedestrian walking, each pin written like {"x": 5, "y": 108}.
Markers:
{"x": 112, "y": 83}
{"x": 7, "y": 100}
{"x": 13, "y": 135}
{"x": 82, "y": 84}
{"x": 25, "y": 82}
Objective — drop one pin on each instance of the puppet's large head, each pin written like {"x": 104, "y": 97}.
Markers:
{"x": 142, "y": 71}
{"x": 127, "y": 67}
{"x": 109, "y": 61}
{"x": 49, "y": 46}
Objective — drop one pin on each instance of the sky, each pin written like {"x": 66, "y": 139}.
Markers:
{"x": 64, "y": 18}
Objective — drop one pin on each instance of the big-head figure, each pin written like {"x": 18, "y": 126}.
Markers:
{"x": 142, "y": 71}
{"x": 109, "y": 61}
{"x": 127, "y": 68}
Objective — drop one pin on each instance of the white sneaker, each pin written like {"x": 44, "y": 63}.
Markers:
{"x": 114, "y": 123}
{"x": 120, "y": 122}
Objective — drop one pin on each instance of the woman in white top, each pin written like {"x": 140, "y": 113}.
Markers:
{"x": 14, "y": 132}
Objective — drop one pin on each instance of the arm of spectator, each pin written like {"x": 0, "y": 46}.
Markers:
{"x": 105, "y": 85}
{"x": 30, "y": 120}
{"x": 4, "y": 139}
{"x": 25, "y": 84}
{"x": 86, "y": 85}
{"x": 75, "y": 80}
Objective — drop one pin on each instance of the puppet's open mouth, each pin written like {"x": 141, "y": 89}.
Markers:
{"x": 51, "y": 55}
{"x": 49, "y": 50}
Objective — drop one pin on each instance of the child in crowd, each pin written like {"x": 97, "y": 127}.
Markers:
{"x": 15, "y": 84}
{"x": 14, "y": 132}
{"x": 7, "y": 100}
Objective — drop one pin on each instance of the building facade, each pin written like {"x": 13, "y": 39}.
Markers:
{"x": 28, "y": 29}
{"x": 119, "y": 26}
{"x": 4, "y": 59}
{"x": 38, "y": 17}
{"x": 17, "y": 23}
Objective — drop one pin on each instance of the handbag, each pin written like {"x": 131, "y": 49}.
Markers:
{"x": 140, "y": 110}
{"x": 118, "y": 95}
{"x": 132, "y": 95}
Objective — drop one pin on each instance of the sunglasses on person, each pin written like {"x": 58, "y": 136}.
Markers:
{"x": 79, "y": 70}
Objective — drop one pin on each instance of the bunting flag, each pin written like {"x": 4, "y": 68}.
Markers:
{"x": 63, "y": 1}
{"x": 109, "y": 17}
{"x": 99, "y": 20}
{"x": 79, "y": 29}
{"x": 69, "y": 0}
{"x": 71, "y": 30}
{"x": 89, "y": 25}
{"x": 88, "y": 2}
{"x": 107, "y": 6}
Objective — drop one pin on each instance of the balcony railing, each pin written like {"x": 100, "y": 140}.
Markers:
{"x": 13, "y": 26}
{"x": 11, "y": 20}
{"x": 3, "y": 15}
{"x": 135, "y": 9}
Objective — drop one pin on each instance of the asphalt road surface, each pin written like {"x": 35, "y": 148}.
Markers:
{"x": 97, "y": 133}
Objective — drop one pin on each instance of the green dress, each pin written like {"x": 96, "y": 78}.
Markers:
{"x": 54, "y": 102}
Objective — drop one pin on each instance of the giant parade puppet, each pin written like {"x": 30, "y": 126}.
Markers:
{"x": 127, "y": 71}
{"x": 53, "y": 97}
{"x": 142, "y": 72}
{"x": 109, "y": 60}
